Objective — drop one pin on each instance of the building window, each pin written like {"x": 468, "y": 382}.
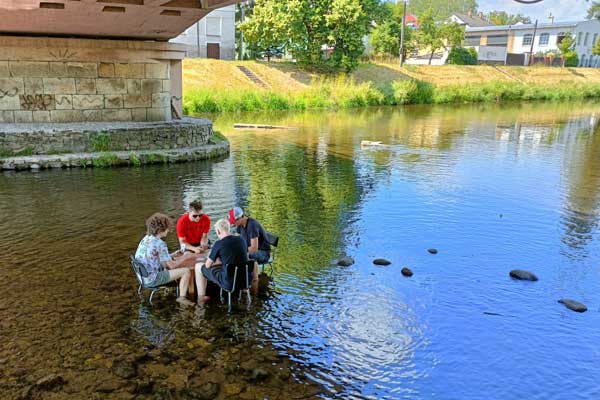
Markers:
{"x": 213, "y": 26}
{"x": 595, "y": 39}
{"x": 585, "y": 41}
{"x": 560, "y": 37}
{"x": 579, "y": 35}
{"x": 582, "y": 64}
{"x": 527, "y": 39}
{"x": 472, "y": 40}
{"x": 497, "y": 40}
{"x": 544, "y": 38}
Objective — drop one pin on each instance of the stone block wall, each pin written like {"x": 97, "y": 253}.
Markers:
{"x": 44, "y": 91}
{"x": 105, "y": 137}
{"x": 46, "y": 79}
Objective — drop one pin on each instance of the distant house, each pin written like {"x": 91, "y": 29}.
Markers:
{"x": 512, "y": 44}
{"x": 469, "y": 20}
{"x": 211, "y": 37}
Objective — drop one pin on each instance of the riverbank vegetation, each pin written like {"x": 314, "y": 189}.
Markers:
{"x": 286, "y": 87}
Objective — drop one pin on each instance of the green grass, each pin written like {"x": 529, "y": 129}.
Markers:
{"x": 344, "y": 93}
{"x": 27, "y": 151}
{"x": 217, "y": 137}
{"x": 106, "y": 160}
{"x": 101, "y": 142}
{"x": 134, "y": 159}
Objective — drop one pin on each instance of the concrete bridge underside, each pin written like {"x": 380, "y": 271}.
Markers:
{"x": 131, "y": 19}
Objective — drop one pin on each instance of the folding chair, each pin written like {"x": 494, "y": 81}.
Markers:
{"x": 141, "y": 272}
{"x": 273, "y": 243}
{"x": 239, "y": 275}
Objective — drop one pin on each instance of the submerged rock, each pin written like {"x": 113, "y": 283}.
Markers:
{"x": 573, "y": 305}
{"x": 345, "y": 261}
{"x": 259, "y": 374}
{"x": 49, "y": 382}
{"x": 123, "y": 369}
{"x": 432, "y": 251}
{"x": 207, "y": 391}
{"x": 523, "y": 275}
{"x": 406, "y": 272}
{"x": 381, "y": 261}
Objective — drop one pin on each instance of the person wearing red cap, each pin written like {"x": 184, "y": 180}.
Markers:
{"x": 192, "y": 229}
{"x": 253, "y": 233}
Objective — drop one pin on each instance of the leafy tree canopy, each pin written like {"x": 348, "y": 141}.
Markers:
{"x": 442, "y": 9}
{"x": 594, "y": 10}
{"x": 503, "y": 18}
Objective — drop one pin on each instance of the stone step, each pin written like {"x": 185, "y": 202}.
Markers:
{"x": 115, "y": 158}
{"x": 253, "y": 77}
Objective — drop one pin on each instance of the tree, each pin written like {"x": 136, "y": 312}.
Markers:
{"x": 265, "y": 33}
{"x": 596, "y": 49}
{"x": 434, "y": 37}
{"x": 566, "y": 46}
{"x": 346, "y": 25}
{"x": 594, "y": 10}
{"x": 442, "y": 9}
{"x": 385, "y": 37}
{"x": 503, "y": 18}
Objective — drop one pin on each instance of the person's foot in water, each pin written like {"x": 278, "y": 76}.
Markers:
{"x": 184, "y": 301}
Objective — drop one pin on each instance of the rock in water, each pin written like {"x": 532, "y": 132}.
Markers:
{"x": 573, "y": 305}
{"x": 381, "y": 261}
{"x": 432, "y": 251}
{"x": 406, "y": 272}
{"x": 345, "y": 261}
{"x": 523, "y": 275}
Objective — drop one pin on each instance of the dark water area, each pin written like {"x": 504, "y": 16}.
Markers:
{"x": 492, "y": 188}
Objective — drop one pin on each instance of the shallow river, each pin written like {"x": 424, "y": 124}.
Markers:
{"x": 491, "y": 188}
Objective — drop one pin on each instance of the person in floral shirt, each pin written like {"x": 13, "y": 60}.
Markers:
{"x": 154, "y": 254}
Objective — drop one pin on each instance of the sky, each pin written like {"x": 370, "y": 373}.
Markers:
{"x": 563, "y": 10}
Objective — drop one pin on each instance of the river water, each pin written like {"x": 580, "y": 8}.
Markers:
{"x": 492, "y": 188}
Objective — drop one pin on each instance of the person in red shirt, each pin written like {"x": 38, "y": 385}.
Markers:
{"x": 192, "y": 229}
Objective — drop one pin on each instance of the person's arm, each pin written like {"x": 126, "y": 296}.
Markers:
{"x": 187, "y": 246}
{"x": 253, "y": 235}
{"x": 253, "y": 245}
{"x": 204, "y": 242}
{"x": 208, "y": 263}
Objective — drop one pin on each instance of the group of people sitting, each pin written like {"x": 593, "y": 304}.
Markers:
{"x": 250, "y": 243}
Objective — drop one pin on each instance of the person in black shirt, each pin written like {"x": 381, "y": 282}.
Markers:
{"x": 228, "y": 249}
{"x": 253, "y": 233}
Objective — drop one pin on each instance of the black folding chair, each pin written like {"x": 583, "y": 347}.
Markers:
{"x": 273, "y": 241}
{"x": 141, "y": 272}
{"x": 240, "y": 278}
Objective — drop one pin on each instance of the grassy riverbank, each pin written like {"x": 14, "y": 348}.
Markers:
{"x": 219, "y": 86}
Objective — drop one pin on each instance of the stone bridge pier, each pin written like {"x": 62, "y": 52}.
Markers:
{"x": 102, "y": 61}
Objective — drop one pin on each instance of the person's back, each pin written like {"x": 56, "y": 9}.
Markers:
{"x": 227, "y": 250}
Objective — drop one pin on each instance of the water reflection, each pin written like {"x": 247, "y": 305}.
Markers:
{"x": 492, "y": 187}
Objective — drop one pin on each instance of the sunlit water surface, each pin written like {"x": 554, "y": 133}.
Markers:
{"x": 492, "y": 188}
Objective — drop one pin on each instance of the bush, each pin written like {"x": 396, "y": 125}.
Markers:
{"x": 571, "y": 59}
{"x": 462, "y": 56}
{"x": 412, "y": 92}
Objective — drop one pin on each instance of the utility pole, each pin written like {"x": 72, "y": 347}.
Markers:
{"x": 402, "y": 35}
{"x": 532, "y": 42}
{"x": 241, "y": 49}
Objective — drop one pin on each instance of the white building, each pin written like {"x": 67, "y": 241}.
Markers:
{"x": 512, "y": 44}
{"x": 213, "y": 36}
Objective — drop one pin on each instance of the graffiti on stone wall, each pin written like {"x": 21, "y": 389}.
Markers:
{"x": 36, "y": 102}
{"x": 62, "y": 55}
{"x": 9, "y": 93}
